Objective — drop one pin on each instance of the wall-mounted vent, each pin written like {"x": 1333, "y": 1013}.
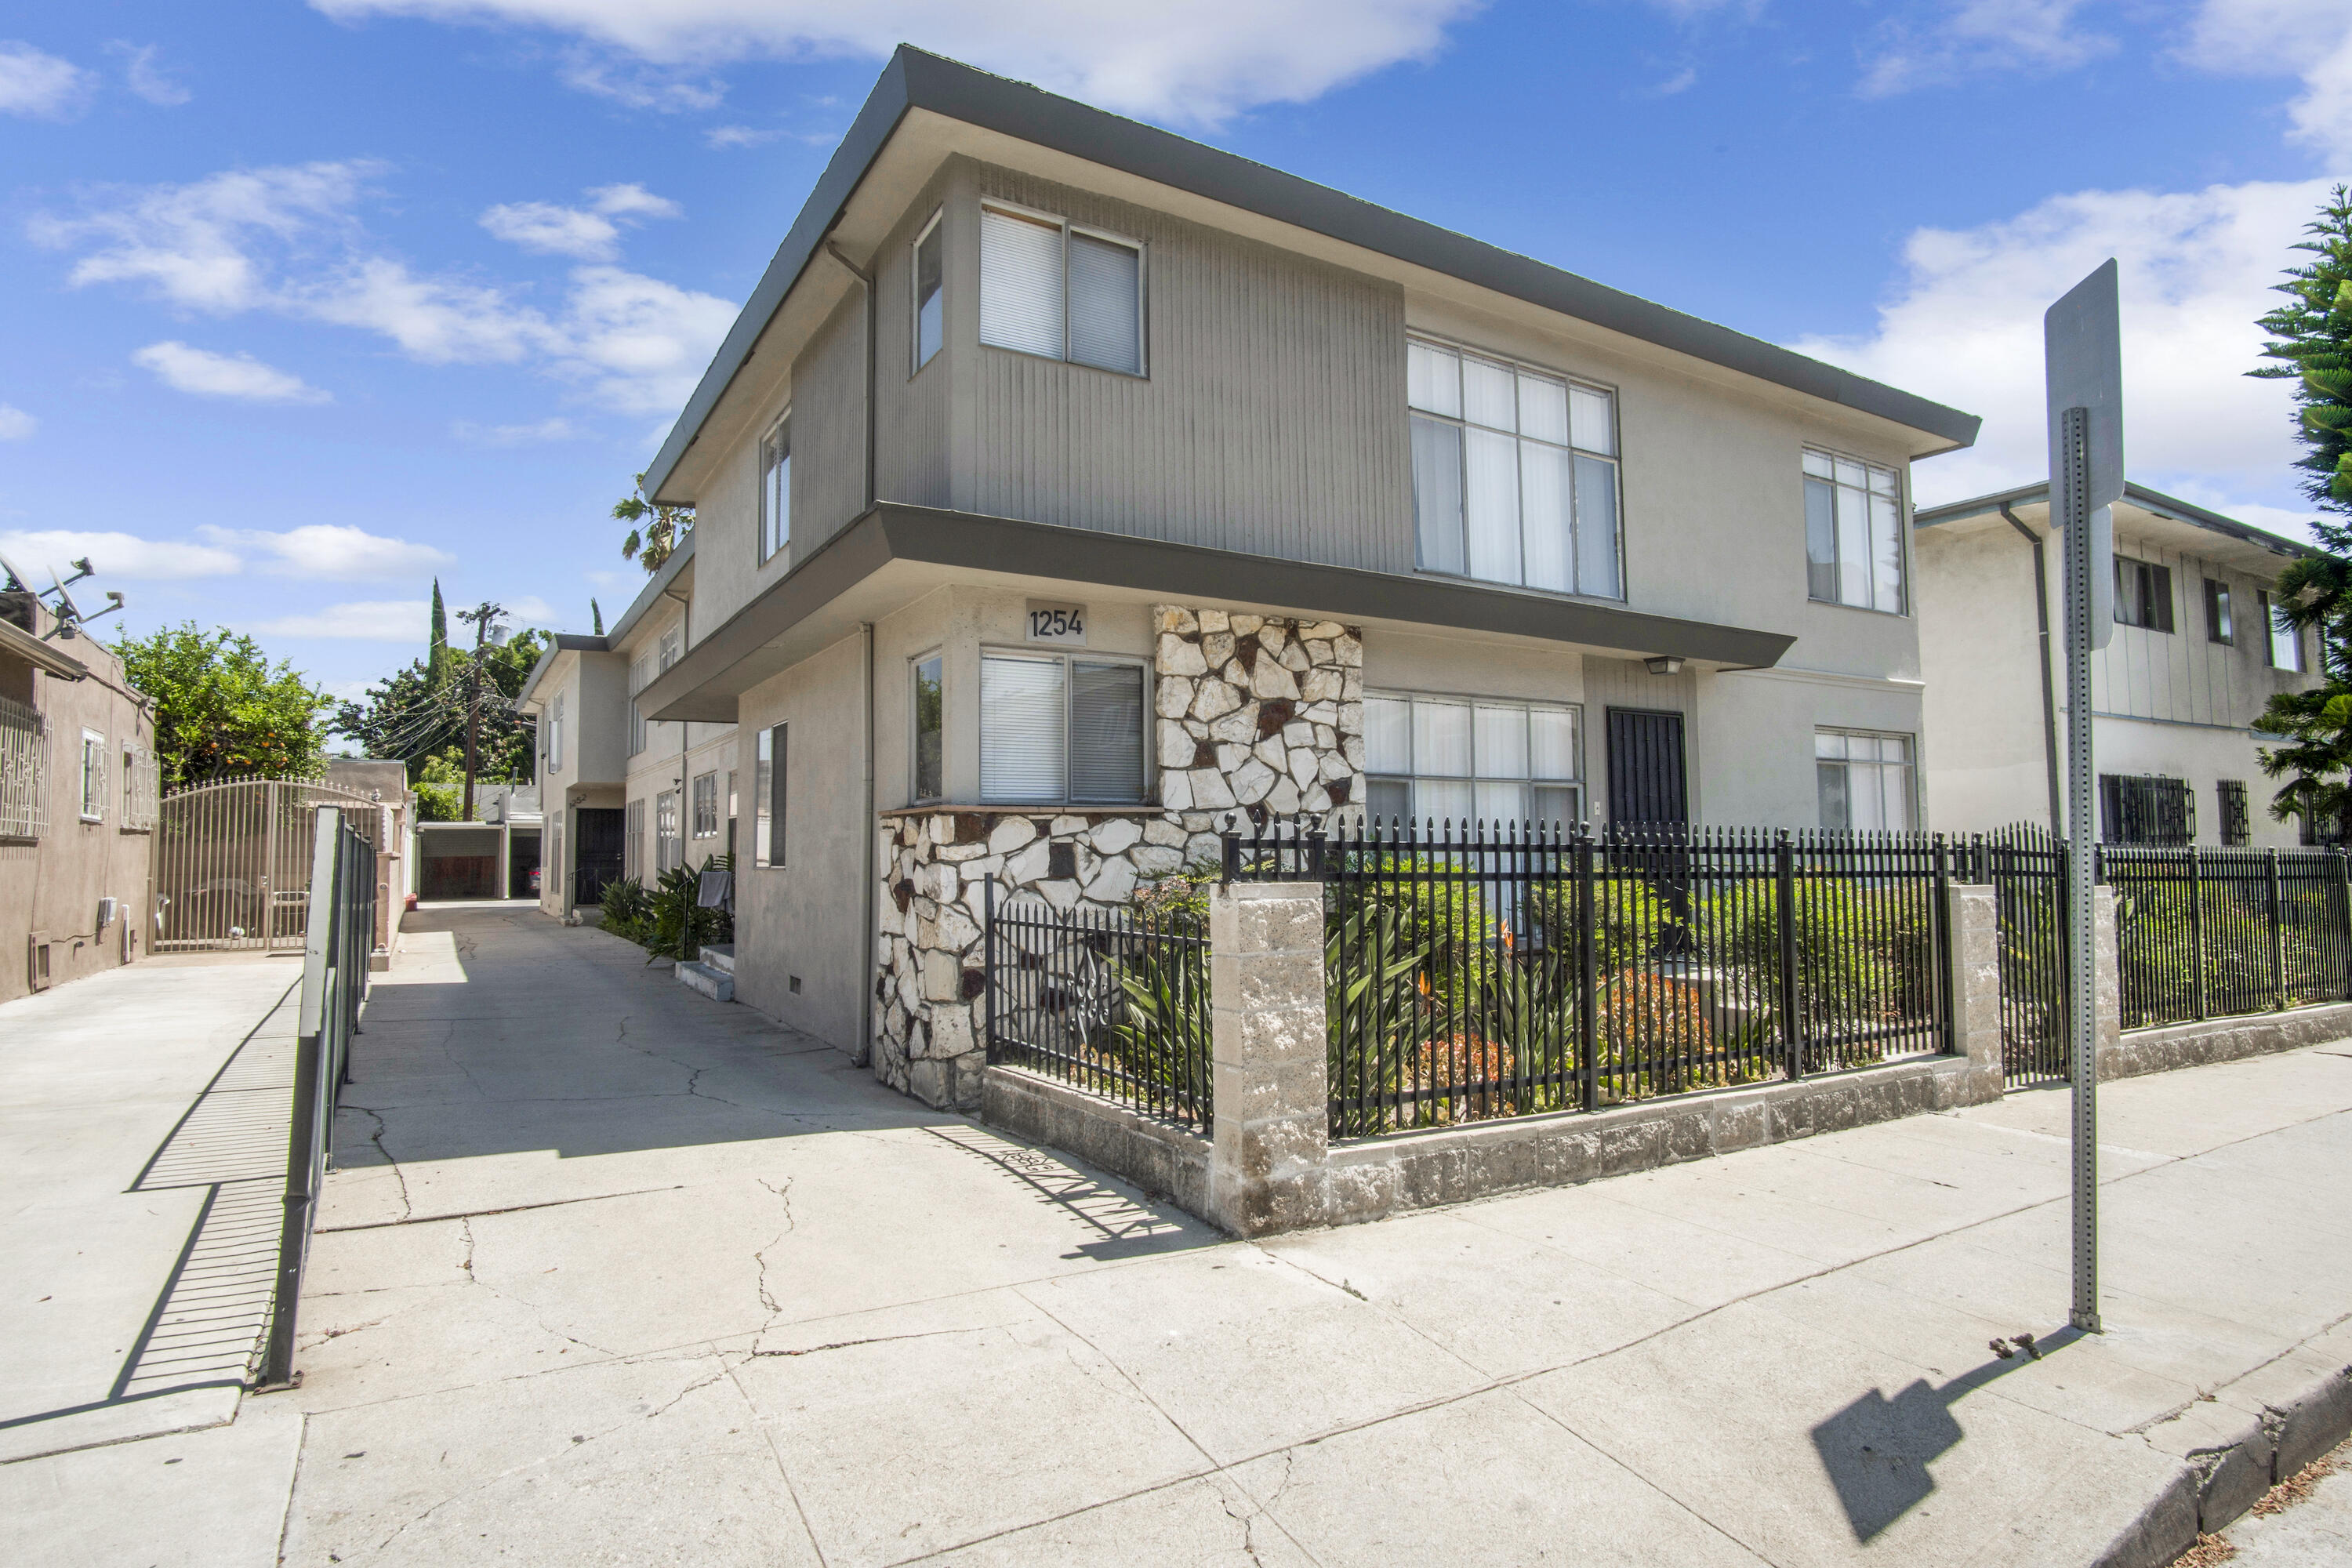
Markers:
{"x": 39, "y": 961}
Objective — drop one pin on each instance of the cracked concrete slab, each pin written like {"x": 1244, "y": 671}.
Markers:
{"x": 938, "y": 1342}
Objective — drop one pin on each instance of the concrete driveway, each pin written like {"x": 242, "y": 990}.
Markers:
{"x": 613, "y": 1273}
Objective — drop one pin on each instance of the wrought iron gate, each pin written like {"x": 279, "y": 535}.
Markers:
{"x": 233, "y": 861}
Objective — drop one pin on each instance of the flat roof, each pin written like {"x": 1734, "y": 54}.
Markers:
{"x": 915, "y": 79}
{"x": 2156, "y": 501}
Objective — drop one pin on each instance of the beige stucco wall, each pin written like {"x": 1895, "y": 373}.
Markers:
{"x": 52, "y": 887}
{"x": 2176, "y": 704}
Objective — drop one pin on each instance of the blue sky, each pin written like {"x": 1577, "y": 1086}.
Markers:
{"x": 309, "y": 303}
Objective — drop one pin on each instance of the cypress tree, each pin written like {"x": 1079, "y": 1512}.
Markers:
{"x": 436, "y": 645}
{"x": 597, "y": 616}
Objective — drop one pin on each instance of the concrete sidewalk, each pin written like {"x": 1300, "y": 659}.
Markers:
{"x": 142, "y": 1160}
{"x": 613, "y": 1273}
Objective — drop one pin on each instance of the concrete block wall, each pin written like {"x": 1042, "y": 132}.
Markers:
{"x": 1270, "y": 1165}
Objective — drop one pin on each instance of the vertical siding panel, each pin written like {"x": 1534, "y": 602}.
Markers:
{"x": 1261, "y": 425}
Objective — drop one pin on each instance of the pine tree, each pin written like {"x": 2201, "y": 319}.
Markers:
{"x": 2310, "y": 343}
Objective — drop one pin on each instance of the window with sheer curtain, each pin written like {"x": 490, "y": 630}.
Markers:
{"x": 1050, "y": 289}
{"x": 1864, "y": 779}
{"x": 1457, "y": 759}
{"x": 776, "y": 489}
{"x": 930, "y": 286}
{"x": 1056, "y": 729}
{"x": 1514, "y": 473}
{"x": 1853, "y": 532}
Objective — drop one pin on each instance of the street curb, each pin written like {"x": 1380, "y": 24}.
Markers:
{"x": 2215, "y": 1485}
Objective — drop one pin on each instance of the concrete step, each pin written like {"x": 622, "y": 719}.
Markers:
{"x": 716, "y": 985}
{"x": 720, "y": 956}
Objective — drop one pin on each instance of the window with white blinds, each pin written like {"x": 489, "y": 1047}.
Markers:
{"x": 1056, "y": 728}
{"x": 1459, "y": 760}
{"x": 1048, "y": 289}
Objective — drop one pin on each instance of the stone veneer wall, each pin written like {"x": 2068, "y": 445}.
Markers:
{"x": 1254, "y": 712}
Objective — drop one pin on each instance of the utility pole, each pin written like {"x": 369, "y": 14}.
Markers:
{"x": 485, "y": 617}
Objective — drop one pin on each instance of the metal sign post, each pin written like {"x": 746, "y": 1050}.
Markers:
{"x": 2082, "y": 340}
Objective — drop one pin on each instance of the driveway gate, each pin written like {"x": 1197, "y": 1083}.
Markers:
{"x": 233, "y": 861}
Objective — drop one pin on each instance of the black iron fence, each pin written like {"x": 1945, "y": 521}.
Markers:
{"x": 2026, "y": 867}
{"x": 2207, "y": 933}
{"x": 1490, "y": 970}
{"x": 1112, "y": 1002}
{"x": 339, "y": 934}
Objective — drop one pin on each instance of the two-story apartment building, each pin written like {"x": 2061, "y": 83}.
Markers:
{"x": 1067, "y": 486}
{"x": 2195, "y": 657}
{"x": 623, "y": 794}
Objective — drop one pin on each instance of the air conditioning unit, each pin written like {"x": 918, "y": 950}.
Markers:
{"x": 109, "y": 911}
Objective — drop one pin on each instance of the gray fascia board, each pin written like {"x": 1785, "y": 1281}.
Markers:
{"x": 2170, "y": 508}
{"x": 557, "y": 643}
{"x": 1185, "y": 573}
{"x": 652, "y": 593}
{"x": 914, "y": 80}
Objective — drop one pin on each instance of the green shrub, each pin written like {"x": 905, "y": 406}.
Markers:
{"x": 665, "y": 919}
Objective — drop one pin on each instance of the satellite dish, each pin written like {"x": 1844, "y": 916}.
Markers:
{"x": 24, "y": 583}
{"x": 68, "y": 613}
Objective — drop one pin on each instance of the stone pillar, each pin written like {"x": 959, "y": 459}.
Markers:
{"x": 1268, "y": 1056}
{"x": 2109, "y": 956}
{"x": 1974, "y": 916}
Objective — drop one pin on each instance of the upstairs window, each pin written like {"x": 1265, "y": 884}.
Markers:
{"x": 2286, "y": 642}
{"x": 1060, "y": 292}
{"x": 2143, "y": 595}
{"x": 141, "y": 788}
{"x": 2219, "y": 626}
{"x": 555, "y": 733}
{"x": 776, "y": 489}
{"x": 1853, "y": 532}
{"x": 1514, "y": 473}
{"x": 1054, "y": 728}
{"x": 931, "y": 305}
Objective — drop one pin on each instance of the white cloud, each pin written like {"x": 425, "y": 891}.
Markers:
{"x": 118, "y": 554}
{"x": 1199, "y": 61}
{"x": 2293, "y": 523}
{"x": 288, "y": 241}
{"x": 2308, "y": 38}
{"x": 530, "y": 610}
{"x": 591, "y": 233}
{"x": 552, "y": 230}
{"x": 39, "y": 86}
{"x": 15, "y": 424}
{"x": 668, "y": 89}
{"x": 556, "y": 429}
{"x": 642, "y": 343}
{"x": 195, "y": 244}
{"x": 208, "y": 374}
{"x": 146, "y": 79}
{"x": 372, "y": 620}
{"x": 1965, "y": 329}
{"x": 1974, "y": 36}
{"x": 719, "y": 138}
{"x": 329, "y": 551}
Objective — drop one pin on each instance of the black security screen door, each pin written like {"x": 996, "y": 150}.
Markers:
{"x": 598, "y": 842}
{"x": 1645, "y": 767}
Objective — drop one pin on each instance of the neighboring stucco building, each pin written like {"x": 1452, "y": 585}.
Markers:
{"x": 78, "y": 801}
{"x": 625, "y": 795}
{"x": 1067, "y": 486}
{"x": 2195, "y": 658}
